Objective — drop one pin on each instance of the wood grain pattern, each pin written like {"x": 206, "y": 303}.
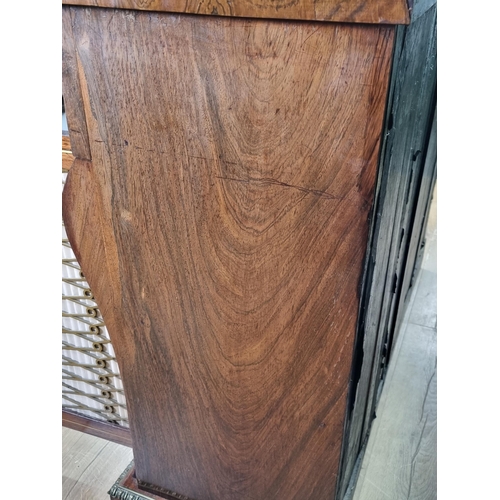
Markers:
{"x": 222, "y": 225}
{"x": 67, "y": 155}
{"x": 350, "y": 11}
{"x": 66, "y": 143}
{"x": 399, "y": 407}
{"x": 71, "y": 90}
{"x": 67, "y": 161}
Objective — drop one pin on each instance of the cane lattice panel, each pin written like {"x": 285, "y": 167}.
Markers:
{"x": 91, "y": 382}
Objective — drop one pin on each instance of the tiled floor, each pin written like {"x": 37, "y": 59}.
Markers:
{"x": 400, "y": 458}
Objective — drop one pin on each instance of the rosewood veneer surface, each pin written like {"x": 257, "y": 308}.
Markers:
{"x": 350, "y": 11}
{"x": 218, "y": 205}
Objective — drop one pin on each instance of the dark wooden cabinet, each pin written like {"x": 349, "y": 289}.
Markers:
{"x": 246, "y": 201}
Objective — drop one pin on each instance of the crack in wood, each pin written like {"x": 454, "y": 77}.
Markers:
{"x": 269, "y": 180}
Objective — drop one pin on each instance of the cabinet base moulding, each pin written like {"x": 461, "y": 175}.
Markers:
{"x": 127, "y": 488}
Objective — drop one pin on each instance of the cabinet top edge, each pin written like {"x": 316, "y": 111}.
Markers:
{"x": 341, "y": 11}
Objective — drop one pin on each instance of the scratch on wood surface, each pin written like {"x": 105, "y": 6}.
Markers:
{"x": 268, "y": 180}
{"x": 309, "y": 36}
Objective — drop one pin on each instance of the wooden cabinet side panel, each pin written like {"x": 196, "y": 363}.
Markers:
{"x": 233, "y": 168}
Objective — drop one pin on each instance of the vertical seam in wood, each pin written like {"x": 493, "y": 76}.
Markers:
{"x": 85, "y": 133}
